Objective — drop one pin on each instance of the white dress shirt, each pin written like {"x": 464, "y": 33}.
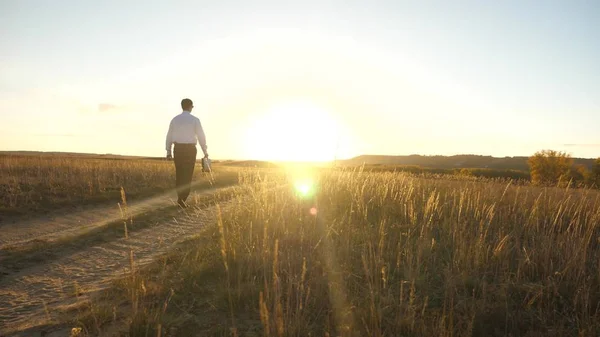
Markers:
{"x": 186, "y": 128}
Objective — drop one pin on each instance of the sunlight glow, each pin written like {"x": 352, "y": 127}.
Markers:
{"x": 293, "y": 131}
{"x": 303, "y": 178}
{"x": 304, "y": 188}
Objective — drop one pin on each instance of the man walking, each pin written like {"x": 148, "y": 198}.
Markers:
{"x": 184, "y": 131}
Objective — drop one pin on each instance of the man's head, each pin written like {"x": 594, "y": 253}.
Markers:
{"x": 187, "y": 104}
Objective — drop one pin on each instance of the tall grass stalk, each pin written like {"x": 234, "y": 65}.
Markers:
{"x": 388, "y": 254}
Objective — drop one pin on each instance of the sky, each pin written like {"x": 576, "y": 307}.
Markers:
{"x": 309, "y": 80}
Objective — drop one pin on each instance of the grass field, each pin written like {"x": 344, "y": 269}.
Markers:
{"x": 37, "y": 184}
{"x": 375, "y": 254}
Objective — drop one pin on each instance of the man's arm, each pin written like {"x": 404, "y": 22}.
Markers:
{"x": 201, "y": 137}
{"x": 169, "y": 141}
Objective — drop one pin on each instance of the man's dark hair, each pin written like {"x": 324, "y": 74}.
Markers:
{"x": 186, "y": 103}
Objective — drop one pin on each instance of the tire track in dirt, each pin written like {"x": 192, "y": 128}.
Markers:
{"x": 50, "y": 228}
{"x": 31, "y": 296}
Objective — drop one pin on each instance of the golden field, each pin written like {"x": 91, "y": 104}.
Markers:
{"x": 375, "y": 254}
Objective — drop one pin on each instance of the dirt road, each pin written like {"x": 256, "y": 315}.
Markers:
{"x": 32, "y": 293}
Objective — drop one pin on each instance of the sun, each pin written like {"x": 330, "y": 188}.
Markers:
{"x": 293, "y": 131}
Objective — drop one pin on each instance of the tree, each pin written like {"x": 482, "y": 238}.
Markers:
{"x": 578, "y": 175}
{"x": 549, "y": 167}
{"x": 594, "y": 175}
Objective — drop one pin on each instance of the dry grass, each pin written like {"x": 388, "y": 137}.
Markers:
{"x": 34, "y": 184}
{"x": 386, "y": 255}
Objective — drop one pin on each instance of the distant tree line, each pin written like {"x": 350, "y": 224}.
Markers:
{"x": 496, "y": 174}
{"x": 546, "y": 168}
{"x": 452, "y": 162}
{"x": 555, "y": 168}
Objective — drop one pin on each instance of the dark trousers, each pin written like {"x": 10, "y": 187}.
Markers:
{"x": 184, "y": 156}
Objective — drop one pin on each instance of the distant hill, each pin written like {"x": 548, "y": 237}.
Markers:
{"x": 72, "y": 154}
{"x": 435, "y": 162}
{"x": 450, "y": 162}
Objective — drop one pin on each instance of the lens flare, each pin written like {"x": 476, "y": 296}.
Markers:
{"x": 303, "y": 179}
{"x": 304, "y": 188}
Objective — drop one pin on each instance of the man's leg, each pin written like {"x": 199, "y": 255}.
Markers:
{"x": 178, "y": 158}
{"x": 189, "y": 172}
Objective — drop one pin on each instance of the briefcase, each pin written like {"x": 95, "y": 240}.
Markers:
{"x": 206, "y": 165}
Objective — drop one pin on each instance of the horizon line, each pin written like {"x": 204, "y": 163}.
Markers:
{"x": 273, "y": 160}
